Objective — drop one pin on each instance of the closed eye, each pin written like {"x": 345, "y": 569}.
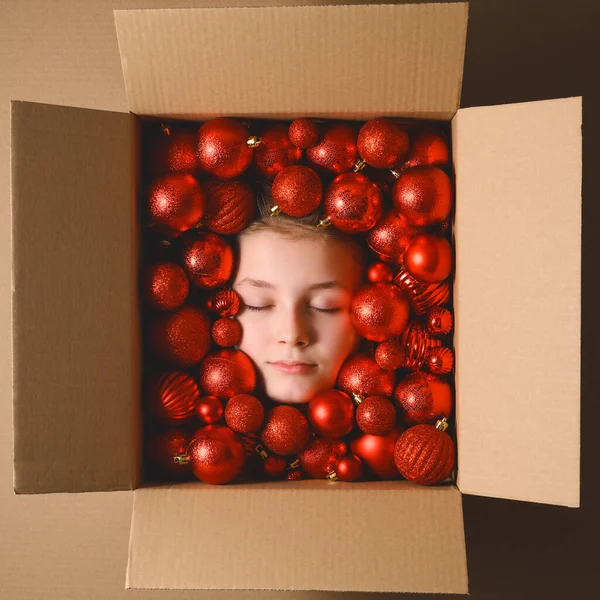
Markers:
{"x": 323, "y": 310}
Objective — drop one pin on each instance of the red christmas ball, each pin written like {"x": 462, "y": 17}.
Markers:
{"x": 360, "y": 374}
{"x": 226, "y": 302}
{"x": 173, "y": 150}
{"x": 286, "y": 431}
{"x": 331, "y": 413}
{"x": 226, "y": 373}
{"x": 230, "y": 206}
{"x": 379, "y": 311}
{"x": 349, "y": 468}
{"x": 423, "y": 297}
{"x": 217, "y": 454}
{"x": 415, "y": 343}
{"x": 423, "y": 398}
{"x": 274, "y": 466}
{"x": 391, "y": 236}
{"x": 303, "y": 133}
{"x": 428, "y": 147}
{"x": 244, "y": 413}
{"x": 297, "y": 190}
{"x": 424, "y": 455}
{"x": 318, "y": 459}
{"x": 165, "y": 286}
{"x": 390, "y": 355}
{"x": 275, "y": 151}
{"x": 382, "y": 143}
{"x": 353, "y": 203}
{"x": 379, "y": 272}
{"x": 377, "y": 453}
{"x": 336, "y": 151}
{"x": 429, "y": 258}
{"x": 173, "y": 397}
{"x": 209, "y": 410}
{"x": 439, "y": 322}
{"x": 182, "y": 337}
{"x": 376, "y": 415}
{"x": 223, "y": 148}
{"x": 167, "y": 453}
{"x": 227, "y": 332}
{"x": 207, "y": 259}
{"x": 423, "y": 195}
{"x": 440, "y": 361}
{"x": 176, "y": 202}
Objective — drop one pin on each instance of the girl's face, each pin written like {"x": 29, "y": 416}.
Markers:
{"x": 296, "y": 307}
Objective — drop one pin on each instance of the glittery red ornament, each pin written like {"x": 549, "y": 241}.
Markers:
{"x": 425, "y": 454}
{"x": 182, "y": 337}
{"x": 439, "y": 322}
{"x": 377, "y": 452}
{"x": 207, "y": 259}
{"x": 286, "y": 430}
{"x": 415, "y": 344}
{"x": 423, "y": 195}
{"x": 217, "y": 454}
{"x": 172, "y": 397}
{"x": 318, "y": 459}
{"x": 167, "y": 454}
{"x": 428, "y": 258}
{"x": 379, "y": 272}
{"x": 440, "y": 360}
{"x": 339, "y": 447}
{"x": 360, "y": 374}
{"x": 423, "y": 398}
{"x": 428, "y": 147}
{"x": 244, "y": 413}
{"x": 331, "y": 413}
{"x": 275, "y": 151}
{"x": 274, "y": 466}
{"x": 303, "y": 133}
{"x": 173, "y": 150}
{"x": 209, "y": 410}
{"x": 336, "y": 151}
{"x": 225, "y": 149}
{"x": 423, "y": 297}
{"x": 379, "y": 311}
{"x": 353, "y": 203}
{"x": 226, "y": 302}
{"x": 390, "y": 355}
{"x": 391, "y": 236}
{"x": 176, "y": 202}
{"x": 348, "y": 468}
{"x": 226, "y": 373}
{"x": 227, "y": 332}
{"x": 297, "y": 190}
{"x": 230, "y": 206}
{"x": 165, "y": 286}
{"x": 376, "y": 415}
{"x": 382, "y": 143}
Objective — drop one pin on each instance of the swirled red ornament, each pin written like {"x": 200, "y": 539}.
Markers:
{"x": 225, "y": 302}
{"x": 173, "y": 396}
{"x": 230, "y": 206}
{"x": 207, "y": 259}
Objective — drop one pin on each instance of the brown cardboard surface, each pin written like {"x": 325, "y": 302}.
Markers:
{"x": 335, "y": 61}
{"x": 75, "y": 314}
{"x": 304, "y": 535}
{"x": 518, "y": 300}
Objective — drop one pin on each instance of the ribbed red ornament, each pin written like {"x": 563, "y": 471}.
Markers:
{"x": 227, "y": 332}
{"x": 389, "y": 355}
{"x": 423, "y": 398}
{"x": 415, "y": 344}
{"x": 173, "y": 149}
{"x": 336, "y": 151}
{"x": 382, "y": 143}
{"x": 226, "y": 373}
{"x": 331, "y": 413}
{"x": 303, "y": 133}
{"x": 440, "y": 360}
{"x": 165, "y": 286}
{"x": 377, "y": 453}
{"x": 173, "y": 397}
{"x": 225, "y": 302}
{"x": 423, "y": 297}
{"x": 285, "y": 431}
{"x": 230, "y": 206}
{"x": 379, "y": 272}
{"x": 376, "y": 415}
{"x": 348, "y": 468}
{"x": 391, "y": 236}
{"x": 427, "y": 147}
{"x": 207, "y": 259}
{"x": 428, "y": 257}
{"x": 275, "y": 151}
{"x": 209, "y": 410}
{"x": 439, "y": 322}
{"x": 167, "y": 454}
{"x": 244, "y": 413}
{"x": 297, "y": 190}
{"x": 319, "y": 458}
{"x": 360, "y": 374}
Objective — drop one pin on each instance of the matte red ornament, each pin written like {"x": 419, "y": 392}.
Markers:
{"x": 348, "y": 468}
{"x": 416, "y": 342}
{"x": 173, "y": 150}
{"x": 181, "y": 337}
{"x": 379, "y": 272}
{"x": 391, "y": 236}
{"x": 274, "y": 466}
{"x": 429, "y": 258}
{"x": 423, "y": 297}
{"x": 376, "y": 415}
{"x": 425, "y": 454}
{"x": 331, "y": 413}
{"x": 244, "y": 413}
{"x": 390, "y": 355}
{"x": 319, "y": 459}
{"x": 440, "y": 361}
{"x": 225, "y": 149}
{"x": 167, "y": 454}
{"x": 423, "y": 195}
{"x": 353, "y": 203}
{"x": 173, "y": 397}
{"x": 227, "y": 332}
{"x": 286, "y": 431}
{"x": 303, "y": 133}
{"x": 439, "y": 322}
{"x": 209, "y": 410}
{"x": 336, "y": 151}
{"x": 428, "y": 147}
{"x": 275, "y": 151}
{"x": 382, "y": 143}
{"x": 423, "y": 398}
{"x": 207, "y": 259}
{"x": 339, "y": 447}
{"x": 379, "y": 311}
{"x": 226, "y": 373}
{"x": 225, "y": 302}
{"x": 360, "y": 374}
{"x": 297, "y": 191}
{"x": 217, "y": 454}
{"x": 230, "y": 206}
{"x": 165, "y": 286}
{"x": 377, "y": 453}
{"x": 176, "y": 202}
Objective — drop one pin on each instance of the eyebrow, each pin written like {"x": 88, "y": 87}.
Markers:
{"x": 326, "y": 285}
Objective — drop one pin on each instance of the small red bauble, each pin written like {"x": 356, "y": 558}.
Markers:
{"x": 390, "y": 355}
{"x": 165, "y": 286}
{"x": 225, "y": 302}
{"x": 336, "y": 151}
{"x": 286, "y": 431}
{"x": 416, "y": 343}
{"x": 275, "y": 151}
{"x": 176, "y": 202}
{"x": 226, "y": 373}
{"x": 423, "y": 297}
{"x": 353, "y": 203}
{"x": 217, "y": 454}
{"x": 207, "y": 259}
{"x": 377, "y": 453}
{"x": 318, "y": 459}
{"x": 167, "y": 453}
{"x": 227, "y": 332}
{"x": 360, "y": 374}
{"x": 428, "y": 147}
{"x": 303, "y": 133}
{"x": 429, "y": 258}
{"x": 331, "y": 413}
{"x": 223, "y": 148}
{"x": 181, "y": 337}
{"x": 297, "y": 190}
{"x": 230, "y": 206}
{"x": 439, "y": 322}
{"x": 379, "y": 311}
{"x": 209, "y": 410}
{"x": 376, "y": 415}
{"x": 173, "y": 150}
{"x": 382, "y": 143}
{"x": 440, "y": 360}
{"x": 274, "y": 466}
{"x": 244, "y": 413}
{"x": 348, "y": 468}
{"x": 425, "y": 454}
{"x": 379, "y": 272}
{"x": 391, "y": 236}
{"x": 173, "y": 396}
{"x": 423, "y": 398}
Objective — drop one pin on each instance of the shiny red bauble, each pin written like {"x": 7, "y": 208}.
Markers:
{"x": 429, "y": 258}
{"x": 303, "y": 133}
{"x": 230, "y": 206}
{"x": 377, "y": 453}
{"x": 428, "y": 147}
{"x": 423, "y": 398}
{"x": 391, "y": 236}
{"x": 297, "y": 190}
{"x": 207, "y": 259}
{"x": 173, "y": 150}
{"x": 275, "y": 151}
{"x": 286, "y": 431}
{"x": 360, "y": 374}
{"x": 440, "y": 361}
{"x": 227, "y": 332}
{"x": 225, "y": 302}
{"x": 382, "y": 143}
{"x": 244, "y": 413}
{"x": 319, "y": 459}
{"x": 422, "y": 296}
{"x": 379, "y": 272}
{"x": 226, "y": 373}
{"x": 165, "y": 286}
{"x": 439, "y": 322}
{"x": 167, "y": 454}
{"x": 331, "y": 413}
{"x": 336, "y": 150}
{"x": 172, "y": 397}
{"x": 376, "y": 415}
{"x": 209, "y": 410}
{"x": 349, "y": 468}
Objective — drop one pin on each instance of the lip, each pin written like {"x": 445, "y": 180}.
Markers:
{"x": 293, "y": 367}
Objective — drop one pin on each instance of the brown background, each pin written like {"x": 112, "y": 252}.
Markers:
{"x": 72, "y": 546}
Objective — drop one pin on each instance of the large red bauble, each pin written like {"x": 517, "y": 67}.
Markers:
{"x": 382, "y": 143}
{"x": 423, "y": 398}
{"x": 429, "y": 258}
{"x": 377, "y": 452}
{"x": 275, "y": 151}
{"x": 297, "y": 190}
{"x": 349, "y": 468}
{"x": 424, "y": 455}
{"x": 428, "y": 147}
{"x": 244, "y": 413}
{"x": 353, "y": 203}
{"x": 227, "y": 332}
{"x": 165, "y": 286}
{"x": 209, "y": 410}
{"x": 230, "y": 206}
{"x": 360, "y": 374}
{"x": 207, "y": 259}
{"x": 391, "y": 236}
{"x": 376, "y": 415}
{"x": 176, "y": 202}
{"x": 173, "y": 397}
{"x": 225, "y": 302}
{"x": 182, "y": 337}
{"x": 173, "y": 150}
{"x": 223, "y": 149}
{"x": 167, "y": 453}
{"x": 379, "y": 272}
{"x": 226, "y": 373}
{"x": 331, "y": 413}
{"x": 423, "y": 297}
{"x": 379, "y": 311}
{"x": 217, "y": 454}
{"x": 286, "y": 431}
{"x": 319, "y": 458}
{"x": 336, "y": 151}
{"x": 303, "y": 133}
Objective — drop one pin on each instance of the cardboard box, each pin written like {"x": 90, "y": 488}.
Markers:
{"x": 517, "y": 296}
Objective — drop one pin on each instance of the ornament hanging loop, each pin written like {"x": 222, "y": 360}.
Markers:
{"x": 254, "y": 141}
{"x": 323, "y": 223}
{"x": 442, "y": 424}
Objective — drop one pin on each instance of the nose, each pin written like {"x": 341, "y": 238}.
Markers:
{"x": 294, "y": 328}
